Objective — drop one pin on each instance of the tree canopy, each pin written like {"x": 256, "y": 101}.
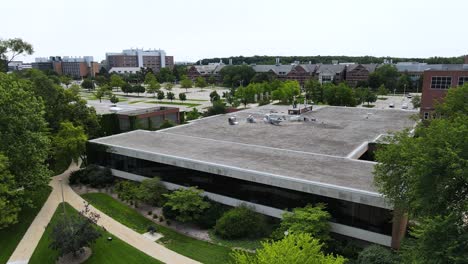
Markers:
{"x": 294, "y": 248}
{"x": 24, "y": 146}
{"x": 187, "y": 203}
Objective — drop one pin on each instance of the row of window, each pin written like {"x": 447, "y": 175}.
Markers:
{"x": 445, "y": 82}
{"x": 345, "y": 212}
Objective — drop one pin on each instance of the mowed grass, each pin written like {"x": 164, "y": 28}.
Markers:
{"x": 199, "y": 250}
{"x": 115, "y": 251}
{"x": 11, "y": 236}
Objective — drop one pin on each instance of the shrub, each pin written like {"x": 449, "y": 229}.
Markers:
{"x": 127, "y": 190}
{"x": 150, "y": 212}
{"x": 151, "y": 191}
{"x": 377, "y": 255}
{"x": 309, "y": 219}
{"x": 166, "y": 124}
{"x": 168, "y": 212}
{"x": 209, "y": 217}
{"x": 187, "y": 203}
{"x": 240, "y": 222}
{"x": 93, "y": 175}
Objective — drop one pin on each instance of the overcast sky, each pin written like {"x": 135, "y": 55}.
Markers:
{"x": 194, "y": 29}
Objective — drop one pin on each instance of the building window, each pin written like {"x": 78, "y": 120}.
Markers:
{"x": 441, "y": 82}
{"x": 426, "y": 115}
{"x": 462, "y": 80}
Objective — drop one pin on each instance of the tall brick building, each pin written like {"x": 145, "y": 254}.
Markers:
{"x": 437, "y": 80}
{"x": 138, "y": 58}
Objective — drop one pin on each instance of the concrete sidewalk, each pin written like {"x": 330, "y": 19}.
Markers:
{"x": 26, "y": 247}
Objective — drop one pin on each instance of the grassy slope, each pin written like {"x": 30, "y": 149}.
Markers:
{"x": 202, "y": 251}
{"x": 115, "y": 251}
{"x": 11, "y": 236}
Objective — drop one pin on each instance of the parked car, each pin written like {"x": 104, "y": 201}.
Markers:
{"x": 391, "y": 105}
{"x": 404, "y": 106}
{"x": 409, "y": 96}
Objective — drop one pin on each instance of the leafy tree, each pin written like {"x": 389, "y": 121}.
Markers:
{"x": 309, "y": 219}
{"x": 416, "y": 101}
{"x": 455, "y": 102}
{"x": 143, "y": 73}
{"x": 75, "y": 89}
{"x": 101, "y": 81}
{"x": 369, "y": 96}
{"x": 127, "y": 88}
{"x": 214, "y": 96}
{"x": 102, "y": 91}
{"x": 114, "y": 99}
{"x": 212, "y": 80}
{"x": 200, "y": 82}
{"x": 66, "y": 80}
{"x": 10, "y": 197}
{"x": 24, "y": 143}
{"x": 178, "y": 71}
{"x": 387, "y": 75}
{"x": 11, "y": 48}
{"x": 187, "y": 203}
{"x": 382, "y": 90}
{"x": 234, "y": 76}
{"x": 170, "y": 96}
{"x": 193, "y": 114}
{"x": 261, "y": 77}
{"x": 127, "y": 190}
{"x": 294, "y": 248}
{"x": 69, "y": 143}
{"x": 218, "y": 107}
{"x": 426, "y": 175}
{"x": 286, "y": 92}
{"x": 186, "y": 83}
{"x": 247, "y": 93}
{"x": 240, "y": 222}
{"x": 168, "y": 86}
{"x": 138, "y": 89}
{"x": 160, "y": 95}
{"x": 314, "y": 91}
{"x": 87, "y": 84}
{"x": 117, "y": 81}
{"x": 438, "y": 239}
{"x": 70, "y": 234}
{"x": 340, "y": 95}
{"x": 165, "y": 75}
{"x": 152, "y": 84}
{"x": 404, "y": 83}
{"x": 151, "y": 191}
{"x": 182, "y": 96}
{"x": 377, "y": 255}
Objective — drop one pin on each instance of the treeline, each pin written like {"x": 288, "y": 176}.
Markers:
{"x": 238, "y": 60}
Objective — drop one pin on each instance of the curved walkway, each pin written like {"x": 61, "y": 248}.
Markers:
{"x": 28, "y": 243}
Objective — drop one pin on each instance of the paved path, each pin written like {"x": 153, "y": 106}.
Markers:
{"x": 28, "y": 243}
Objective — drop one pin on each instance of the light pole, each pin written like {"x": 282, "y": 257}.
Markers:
{"x": 63, "y": 198}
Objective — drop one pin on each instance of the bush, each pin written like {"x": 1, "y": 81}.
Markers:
{"x": 209, "y": 217}
{"x": 166, "y": 124}
{"x": 188, "y": 204}
{"x": 263, "y": 102}
{"x": 377, "y": 255}
{"x": 168, "y": 212}
{"x": 127, "y": 190}
{"x": 93, "y": 175}
{"x": 241, "y": 222}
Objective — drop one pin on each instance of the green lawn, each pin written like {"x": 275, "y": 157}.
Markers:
{"x": 202, "y": 251}
{"x": 173, "y": 103}
{"x": 11, "y": 236}
{"x": 115, "y": 251}
{"x": 135, "y": 102}
{"x": 238, "y": 243}
{"x": 197, "y": 100}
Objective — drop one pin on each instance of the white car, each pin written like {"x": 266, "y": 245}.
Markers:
{"x": 404, "y": 106}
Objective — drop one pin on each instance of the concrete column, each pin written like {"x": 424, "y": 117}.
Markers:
{"x": 400, "y": 223}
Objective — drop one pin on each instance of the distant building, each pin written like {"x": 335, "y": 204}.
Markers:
{"x": 205, "y": 71}
{"x": 356, "y": 73}
{"x": 75, "y": 67}
{"x": 327, "y": 73}
{"x": 437, "y": 80}
{"x": 15, "y": 65}
{"x": 138, "y": 58}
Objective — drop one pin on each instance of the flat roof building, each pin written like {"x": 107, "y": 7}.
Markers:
{"x": 138, "y": 58}
{"x": 270, "y": 167}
